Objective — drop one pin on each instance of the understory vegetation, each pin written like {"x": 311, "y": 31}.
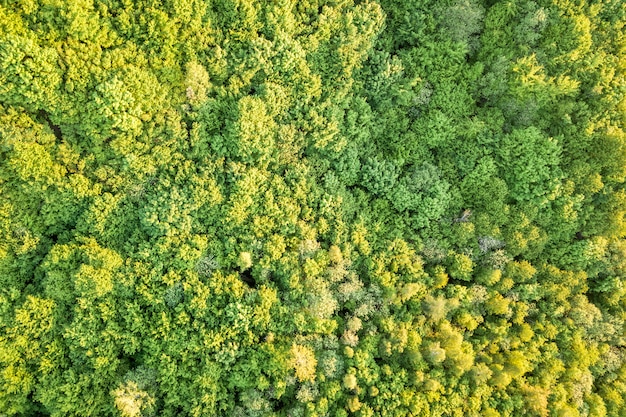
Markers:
{"x": 312, "y": 208}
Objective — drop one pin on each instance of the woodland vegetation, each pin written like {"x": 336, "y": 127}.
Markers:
{"x": 313, "y": 208}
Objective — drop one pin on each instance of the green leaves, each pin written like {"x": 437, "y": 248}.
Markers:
{"x": 379, "y": 177}
{"x": 312, "y": 208}
{"x": 25, "y": 353}
{"x": 29, "y": 74}
{"x": 531, "y": 164}
{"x": 422, "y": 191}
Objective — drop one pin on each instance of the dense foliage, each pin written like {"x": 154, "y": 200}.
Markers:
{"x": 312, "y": 208}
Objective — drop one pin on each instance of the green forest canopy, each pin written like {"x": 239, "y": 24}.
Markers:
{"x": 312, "y": 208}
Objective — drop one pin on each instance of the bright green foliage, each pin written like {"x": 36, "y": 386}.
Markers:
{"x": 312, "y": 208}
{"x": 531, "y": 162}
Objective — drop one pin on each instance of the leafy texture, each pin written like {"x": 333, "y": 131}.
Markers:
{"x": 312, "y": 208}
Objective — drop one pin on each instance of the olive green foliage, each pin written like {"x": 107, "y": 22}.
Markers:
{"x": 312, "y": 208}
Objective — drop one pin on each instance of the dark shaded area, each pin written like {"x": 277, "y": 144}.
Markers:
{"x": 246, "y": 276}
{"x": 56, "y": 130}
